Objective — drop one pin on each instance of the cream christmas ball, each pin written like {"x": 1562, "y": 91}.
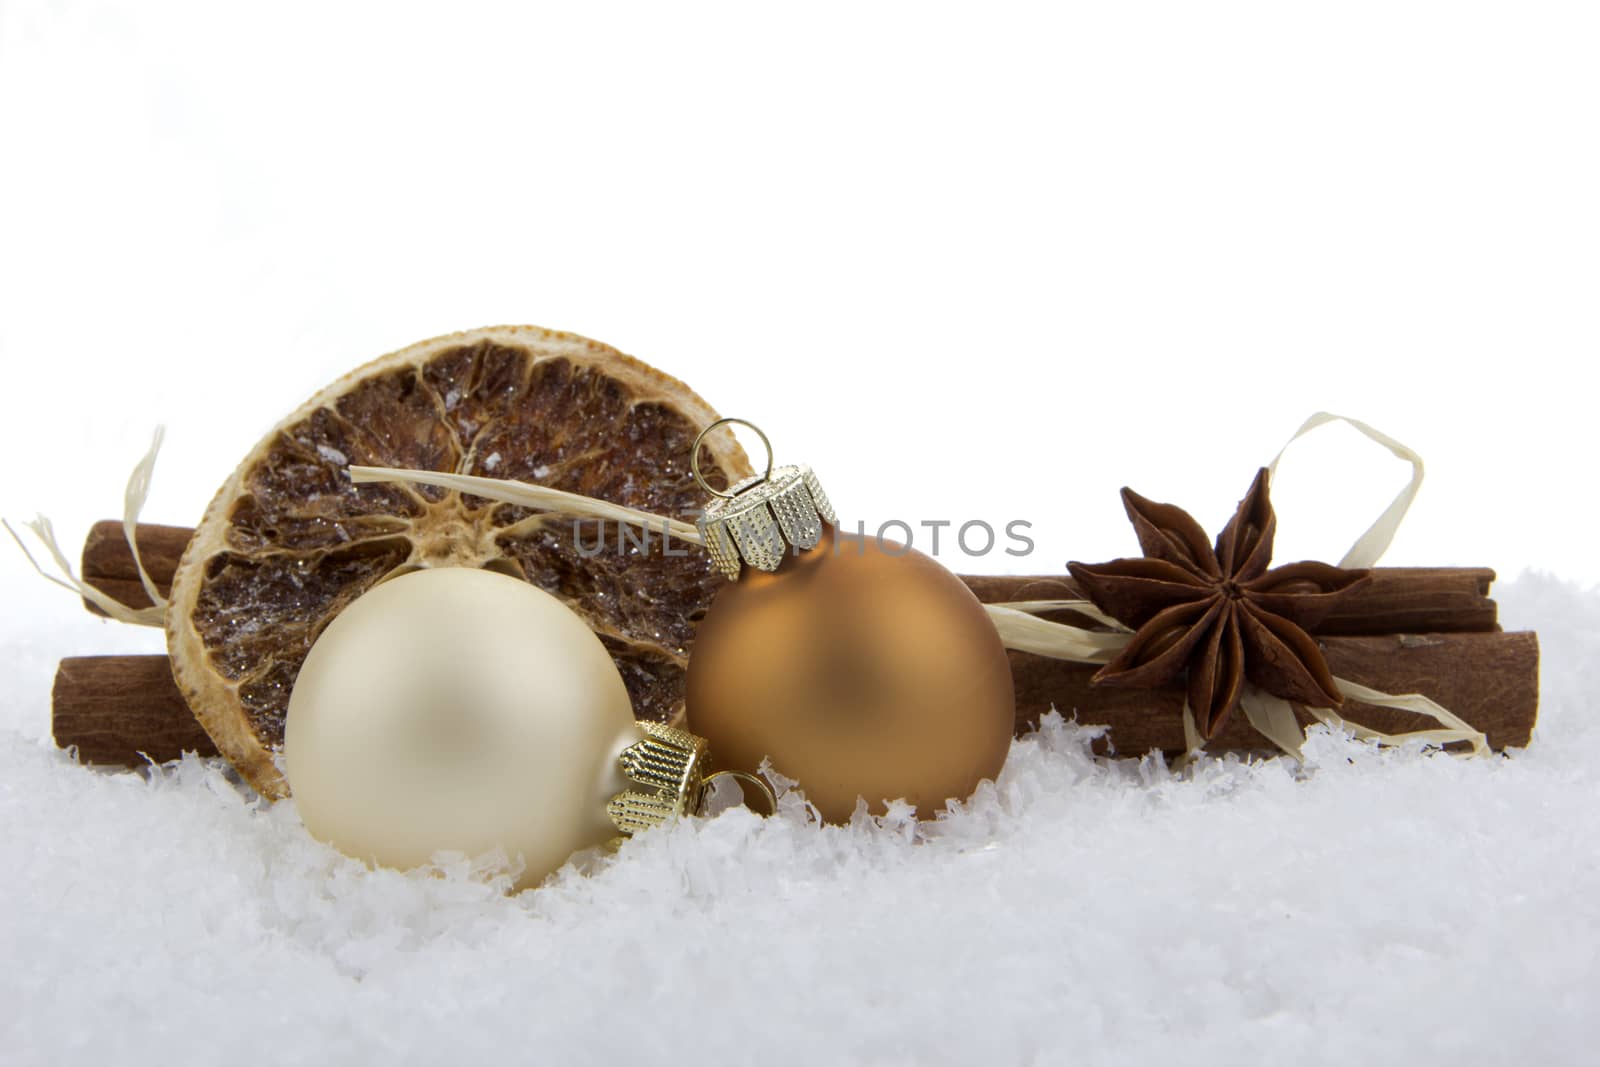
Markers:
{"x": 457, "y": 709}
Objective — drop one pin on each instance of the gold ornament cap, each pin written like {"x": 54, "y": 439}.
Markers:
{"x": 671, "y": 763}
{"x": 763, "y": 518}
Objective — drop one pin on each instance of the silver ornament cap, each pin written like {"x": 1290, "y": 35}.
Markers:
{"x": 763, "y": 518}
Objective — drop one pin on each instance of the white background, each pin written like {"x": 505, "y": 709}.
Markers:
{"x": 981, "y": 261}
{"x": 985, "y": 262}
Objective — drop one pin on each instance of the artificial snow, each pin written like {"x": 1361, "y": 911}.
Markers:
{"x": 1367, "y": 907}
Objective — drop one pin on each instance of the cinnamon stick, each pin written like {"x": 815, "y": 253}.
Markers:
{"x": 120, "y": 709}
{"x": 1397, "y": 600}
{"x": 1490, "y": 680}
{"x": 123, "y": 710}
{"x": 108, "y": 565}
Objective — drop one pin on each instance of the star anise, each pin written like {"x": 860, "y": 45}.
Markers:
{"x": 1218, "y": 614}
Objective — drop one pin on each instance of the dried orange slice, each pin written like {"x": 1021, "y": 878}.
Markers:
{"x": 289, "y": 540}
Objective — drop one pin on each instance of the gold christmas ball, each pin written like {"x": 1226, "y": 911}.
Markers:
{"x": 860, "y": 668}
{"x": 458, "y": 709}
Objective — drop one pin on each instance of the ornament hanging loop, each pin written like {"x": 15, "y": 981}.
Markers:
{"x": 694, "y": 457}
{"x": 744, "y": 778}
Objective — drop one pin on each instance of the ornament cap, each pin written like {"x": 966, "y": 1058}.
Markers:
{"x": 761, "y": 519}
{"x": 672, "y": 763}
{"x": 669, "y": 761}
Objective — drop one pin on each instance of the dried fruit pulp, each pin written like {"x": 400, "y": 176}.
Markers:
{"x": 289, "y": 541}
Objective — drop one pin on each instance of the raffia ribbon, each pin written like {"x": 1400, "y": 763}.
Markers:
{"x": 1017, "y": 622}
{"x": 133, "y": 498}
